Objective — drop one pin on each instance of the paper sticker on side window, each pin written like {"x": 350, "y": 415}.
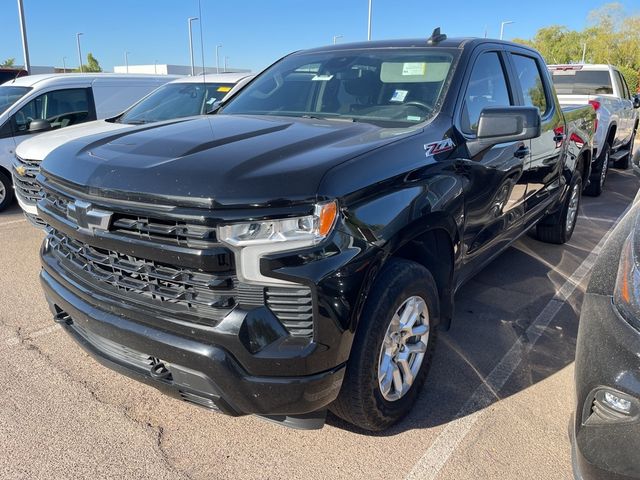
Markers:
{"x": 414, "y": 68}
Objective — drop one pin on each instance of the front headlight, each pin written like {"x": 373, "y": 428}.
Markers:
{"x": 252, "y": 240}
{"x": 626, "y": 295}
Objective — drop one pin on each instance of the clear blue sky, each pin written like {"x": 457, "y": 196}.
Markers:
{"x": 254, "y": 33}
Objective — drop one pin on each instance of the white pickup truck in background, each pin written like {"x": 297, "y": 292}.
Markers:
{"x": 604, "y": 87}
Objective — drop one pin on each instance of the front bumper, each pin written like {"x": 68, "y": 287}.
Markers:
{"x": 199, "y": 372}
{"x": 607, "y": 356}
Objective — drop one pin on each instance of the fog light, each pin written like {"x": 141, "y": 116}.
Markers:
{"x": 617, "y": 403}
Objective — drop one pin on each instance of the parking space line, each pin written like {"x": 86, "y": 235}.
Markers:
{"x": 11, "y": 222}
{"x": 437, "y": 455}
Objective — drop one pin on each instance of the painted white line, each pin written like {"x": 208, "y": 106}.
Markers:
{"x": 13, "y": 221}
{"x": 435, "y": 458}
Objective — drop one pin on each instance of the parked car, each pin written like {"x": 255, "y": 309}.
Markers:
{"x": 37, "y": 103}
{"x": 606, "y": 425}
{"x": 604, "y": 87}
{"x": 299, "y": 249}
{"x": 186, "y": 96}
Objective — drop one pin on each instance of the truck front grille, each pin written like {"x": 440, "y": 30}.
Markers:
{"x": 204, "y": 294}
{"x": 26, "y": 186}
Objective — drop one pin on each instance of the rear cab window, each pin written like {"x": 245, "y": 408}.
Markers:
{"x": 572, "y": 80}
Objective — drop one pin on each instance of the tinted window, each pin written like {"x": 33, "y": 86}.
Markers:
{"x": 582, "y": 82}
{"x": 61, "y": 107}
{"x": 487, "y": 88}
{"x": 176, "y": 100}
{"x": 389, "y": 87}
{"x": 10, "y": 95}
{"x": 531, "y": 82}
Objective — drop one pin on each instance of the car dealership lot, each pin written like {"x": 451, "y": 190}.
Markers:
{"x": 496, "y": 403}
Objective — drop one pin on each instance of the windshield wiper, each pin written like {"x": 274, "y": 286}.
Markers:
{"x": 137, "y": 122}
{"x": 338, "y": 118}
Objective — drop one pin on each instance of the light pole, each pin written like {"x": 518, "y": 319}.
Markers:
{"x": 507, "y": 22}
{"x": 155, "y": 67}
{"x": 336, "y": 37}
{"x": 79, "y": 51}
{"x": 189, "y": 20}
{"x": 369, "y": 23}
{"x": 64, "y": 64}
{"x": 584, "y": 51}
{"x": 126, "y": 60}
{"x": 23, "y": 31}
{"x": 226, "y": 59}
{"x": 218, "y": 47}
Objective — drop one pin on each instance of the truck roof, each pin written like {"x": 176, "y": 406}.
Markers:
{"x": 581, "y": 66}
{"x": 73, "y": 78}
{"x": 214, "y": 78}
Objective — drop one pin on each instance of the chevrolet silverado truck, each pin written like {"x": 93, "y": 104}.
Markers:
{"x": 298, "y": 249}
{"x": 604, "y": 87}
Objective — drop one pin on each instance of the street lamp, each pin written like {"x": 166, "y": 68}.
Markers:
{"x": 336, "y": 37}
{"x": 23, "y": 32}
{"x": 64, "y": 64}
{"x": 507, "y": 22}
{"x": 79, "y": 51}
{"x": 126, "y": 60}
{"x": 189, "y": 20}
{"x": 369, "y": 24}
{"x": 218, "y": 47}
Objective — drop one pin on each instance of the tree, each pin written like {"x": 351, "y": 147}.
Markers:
{"x": 8, "y": 63}
{"x": 610, "y": 37}
{"x": 92, "y": 64}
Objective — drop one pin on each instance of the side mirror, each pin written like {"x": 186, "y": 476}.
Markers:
{"x": 39, "y": 125}
{"x": 636, "y": 101}
{"x": 213, "y": 108}
{"x": 508, "y": 124}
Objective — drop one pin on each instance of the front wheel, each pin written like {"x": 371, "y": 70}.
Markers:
{"x": 6, "y": 191}
{"x": 558, "y": 227}
{"x": 392, "y": 350}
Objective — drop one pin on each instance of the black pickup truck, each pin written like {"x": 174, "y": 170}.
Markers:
{"x": 298, "y": 250}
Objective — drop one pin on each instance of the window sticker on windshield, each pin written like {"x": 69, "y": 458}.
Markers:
{"x": 414, "y": 68}
{"x": 322, "y": 78}
{"x": 413, "y": 118}
{"x": 223, "y": 89}
{"x": 399, "y": 95}
{"x": 211, "y": 100}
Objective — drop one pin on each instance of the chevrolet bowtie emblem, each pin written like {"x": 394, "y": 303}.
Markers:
{"x": 88, "y": 218}
{"x": 21, "y": 170}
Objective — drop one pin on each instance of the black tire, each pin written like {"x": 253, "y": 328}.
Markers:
{"x": 625, "y": 161}
{"x": 599, "y": 176}
{"x": 555, "y": 228}
{"x": 361, "y": 400}
{"x": 6, "y": 191}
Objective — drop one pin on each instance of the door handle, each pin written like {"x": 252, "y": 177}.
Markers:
{"x": 521, "y": 152}
{"x": 559, "y": 137}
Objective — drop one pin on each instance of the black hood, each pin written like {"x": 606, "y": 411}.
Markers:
{"x": 219, "y": 159}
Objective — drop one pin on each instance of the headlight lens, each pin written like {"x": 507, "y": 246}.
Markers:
{"x": 252, "y": 240}
{"x": 626, "y": 296}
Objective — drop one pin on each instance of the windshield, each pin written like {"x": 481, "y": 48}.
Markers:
{"x": 10, "y": 95}
{"x": 390, "y": 87}
{"x": 582, "y": 82}
{"x": 176, "y": 100}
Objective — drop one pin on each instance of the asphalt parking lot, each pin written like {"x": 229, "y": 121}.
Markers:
{"x": 496, "y": 404}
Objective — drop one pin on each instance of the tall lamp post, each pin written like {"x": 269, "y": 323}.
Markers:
{"x": 336, "y": 37}
{"x": 369, "y": 23}
{"x": 64, "y": 64}
{"x": 189, "y": 21}
{"x": 79, "y": 51}
{"x": 507, "y": 22}
{"x": 218, "y": 47}
{"x": 23, "y": 31}
{"x": 126, "y": 60}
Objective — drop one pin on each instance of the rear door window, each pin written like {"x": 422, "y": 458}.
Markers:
{"x": 531, "y": 84}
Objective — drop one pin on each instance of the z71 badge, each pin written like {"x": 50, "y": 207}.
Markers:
{"x": 433, "y": 148}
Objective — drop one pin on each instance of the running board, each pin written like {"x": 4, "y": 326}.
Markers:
{"x": 619, "y": 154}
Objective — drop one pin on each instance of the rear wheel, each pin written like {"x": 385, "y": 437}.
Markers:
{"x": 596, "y": 182}
{"x": 558, "y": 227}
{"x": 6, "y": 191}
{"x": 392, "y": 350}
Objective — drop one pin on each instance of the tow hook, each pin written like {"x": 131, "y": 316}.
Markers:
{"x": 159, "y": 371}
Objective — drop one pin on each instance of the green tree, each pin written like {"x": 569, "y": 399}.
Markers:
{"x": 92, "y": 64}
{"x": 9, "y": 62}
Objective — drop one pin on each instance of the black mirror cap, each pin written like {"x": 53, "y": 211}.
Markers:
{"x": 636, "y": 101}
{"x": 508, "y": 124}
{"x": 39, "y": 125}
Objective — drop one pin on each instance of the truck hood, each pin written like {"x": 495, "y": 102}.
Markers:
{"x": 216, "y": 160}
{"x": 39, "y": 146}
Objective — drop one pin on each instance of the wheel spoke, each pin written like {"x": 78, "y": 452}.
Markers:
{"x": 419, "y": 347}
{"x": 397, "y": 378}
{"x": 407, "y": 374}
{"x": 419, "y": 330}
{"x": 407, "y": 312}
{"x": 385, "y": 381}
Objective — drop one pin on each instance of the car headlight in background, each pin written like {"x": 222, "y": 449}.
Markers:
{"x": 252, "y": 240}
{"x": 626, "y": 295}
